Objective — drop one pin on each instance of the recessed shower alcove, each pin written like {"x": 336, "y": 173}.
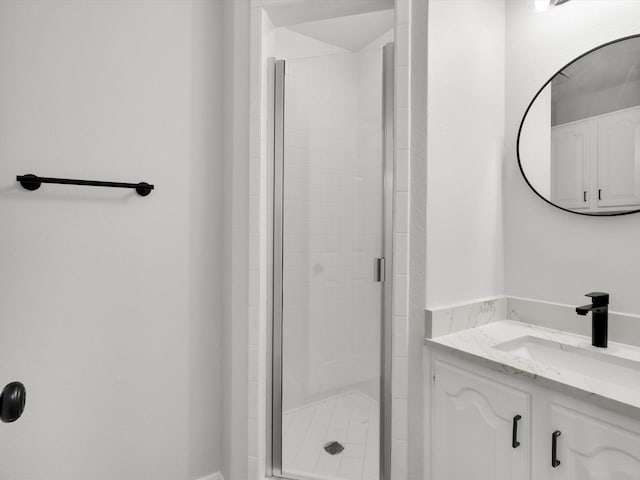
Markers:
{"x": 332, "y": 211}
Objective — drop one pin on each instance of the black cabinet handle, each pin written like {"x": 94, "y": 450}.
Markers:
{"x": 584, "y": 195}
{"x": 599, "y": 194}
{"x": 555, "y": 463}
{"x": 12, "y": 402}
{"x": 514, "y": 438}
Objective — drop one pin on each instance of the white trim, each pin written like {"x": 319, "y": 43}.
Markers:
{"x": 213, "y": 476}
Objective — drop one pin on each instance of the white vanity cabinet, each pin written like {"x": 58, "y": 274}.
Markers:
{"x": 571, "y": 165}
{"x": 472, "y": 413}
{"x": 595, "y": 162}
{"x": 618, "y": 165}
{"x": 474, "y": 425}
{"x": 590, "y": 447}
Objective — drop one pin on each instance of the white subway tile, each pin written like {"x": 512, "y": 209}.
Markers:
{"x": 254, "y": 365}
{"x": 402, "y": 12}
{"x": 252, "y": 444}
{"x": 400, "y": 336}
{"x": 399, "y": 424}
{"x": 401, "y": 212}
{"x": 402, "y": 87}
{"x": 401, "y": 253}
{"x": 399, "y": 459}
{"x": 400, "y": 374}
{"x": 402, "y": 45}
{"x": 402, "y": 129}
{"x": 400, "y": 295}
{"x": 402, "y": 171}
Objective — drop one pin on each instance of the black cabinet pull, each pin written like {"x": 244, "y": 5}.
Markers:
{"x": 584, "y": 195}
{"x": 599, "y": 194}
{"x": 12, "y": 401}
{"x": 514, "y": 438}
{"x": 555, "y": 463}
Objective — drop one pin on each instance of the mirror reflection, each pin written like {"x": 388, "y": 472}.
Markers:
{"x": 579, "y": 142}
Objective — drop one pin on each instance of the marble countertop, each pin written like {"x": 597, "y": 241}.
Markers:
{"x": 478, "y": 344}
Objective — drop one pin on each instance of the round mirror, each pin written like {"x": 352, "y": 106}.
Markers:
{"x": 579, "y": 140}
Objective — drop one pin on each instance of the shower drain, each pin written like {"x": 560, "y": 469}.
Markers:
{"x": 333, "y": 448}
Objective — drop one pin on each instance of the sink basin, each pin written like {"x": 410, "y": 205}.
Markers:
{"x": 590, "y": 363}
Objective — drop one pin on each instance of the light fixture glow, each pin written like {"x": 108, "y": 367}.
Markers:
{"x": 542, "y": 5}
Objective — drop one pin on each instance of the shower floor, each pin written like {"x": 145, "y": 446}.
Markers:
{"x": 351, "y": 419}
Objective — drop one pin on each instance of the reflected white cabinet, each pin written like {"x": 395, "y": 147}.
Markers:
{"x": 619, "y": 159}
{"x": 595, "y": 162}
{"x": 472, "y": 416}
{"x": 473, "y": 428}
{"x": 571, "y": 165}
{"x": 591, "y": 448}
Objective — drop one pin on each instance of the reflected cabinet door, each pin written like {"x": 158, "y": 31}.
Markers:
{"x": 570, "y": 160}
{"x": 619, "y": 159}
{"x": 473, "y": 435}
{"x": 592, "y": 449}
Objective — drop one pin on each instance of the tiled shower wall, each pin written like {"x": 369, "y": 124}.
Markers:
{"x": 261, "y": 48}
{"x": 331, "y": 235}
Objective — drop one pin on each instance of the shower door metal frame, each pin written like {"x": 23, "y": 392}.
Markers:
{"x": 388, "y": 211}
{"x": 274, "y": 436}
{"x": 275, "y": 364}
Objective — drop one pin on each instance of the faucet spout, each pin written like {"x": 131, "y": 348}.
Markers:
{"x": 583, "y": 310}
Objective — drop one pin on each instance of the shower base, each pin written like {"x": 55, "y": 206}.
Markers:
{"x": 351, "y": 419}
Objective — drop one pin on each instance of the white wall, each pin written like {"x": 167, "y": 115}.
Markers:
{"x": 465, "y": 131}
{"x": 110, "y": 303}
{"x": 550, "y": 254}
{"x": 235, "y": 241}
{"x": 206, "y": 252}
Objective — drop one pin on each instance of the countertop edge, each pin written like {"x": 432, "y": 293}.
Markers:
{"x": 608, "y": 403}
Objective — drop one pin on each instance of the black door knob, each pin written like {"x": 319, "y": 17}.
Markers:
{"x": 12, "y": 401}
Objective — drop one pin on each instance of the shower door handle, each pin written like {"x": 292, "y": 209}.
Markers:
{"x": 378, "y": 270}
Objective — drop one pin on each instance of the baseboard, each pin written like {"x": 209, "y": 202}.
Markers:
{"x": 213, "y": 476}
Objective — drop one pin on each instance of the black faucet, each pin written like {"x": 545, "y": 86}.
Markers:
{"x": 599, "y": 309}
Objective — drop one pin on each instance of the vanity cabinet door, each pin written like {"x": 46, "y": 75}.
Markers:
{"x": 619, "y": 159}
{"x": 473, "y": 427}
{"x": 570, "y": 165}
{"x": 591, "y": 448}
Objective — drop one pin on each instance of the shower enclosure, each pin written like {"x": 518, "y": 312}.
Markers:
{"x": 332, "y": 243}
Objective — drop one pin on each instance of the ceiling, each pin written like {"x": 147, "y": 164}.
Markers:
{"x": 353, "y": 32}
{"x": 607, "y": 67}
{"x": 284, "y": 13}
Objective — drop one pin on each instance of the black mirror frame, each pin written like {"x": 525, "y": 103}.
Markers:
{"x": 524, "y": 117}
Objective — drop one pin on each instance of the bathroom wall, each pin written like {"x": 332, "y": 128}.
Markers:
{"x": 465, "y": 132}
{"x": 235, "y": 190}
{"x": 550, "y": 254}
{"x": 109, "y": 302}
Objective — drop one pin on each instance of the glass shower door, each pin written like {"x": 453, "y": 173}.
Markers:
{"x": 329, "y": 246}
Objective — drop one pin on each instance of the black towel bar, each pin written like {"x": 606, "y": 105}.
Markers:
{"x": 33, "y": 182}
